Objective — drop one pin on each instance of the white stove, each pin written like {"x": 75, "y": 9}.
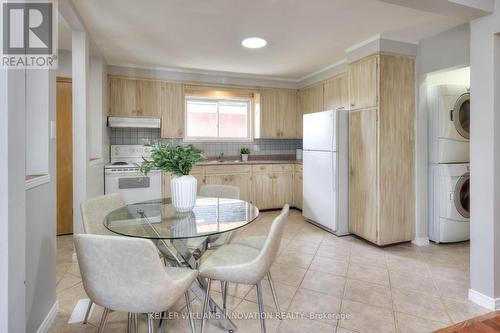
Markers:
{"x": 123, "y": 175}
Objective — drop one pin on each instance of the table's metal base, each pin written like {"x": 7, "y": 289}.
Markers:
{"x": 190, "y": 257}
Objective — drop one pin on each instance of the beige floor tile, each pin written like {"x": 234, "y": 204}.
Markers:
{"x": 67, "y": 281}
{"x": 366, "y": 318}
{"x": 233, "y": 289}
{"x": 420, "y": 305}
{"x": 410, "y": 324}
{"x": 364, "y": 256}
{"x": 317, "y": 306}
{"x": 344, "y": 330}
{"x": 368, "y": 273}
{"x": 294, "y": 259}
{"x": 453, "y": 289}
{"x": 460, "y": 311}
{"x": 449, "y": 272}
{"x": 287, "y": 274}
{"x": 334, "y": 251}
{"x": 284, "y": 292}
{"x": 328, "y": 265}
{"x": 370, "y": 293}
{"x": 413, "y": 281}
{"x": 249, "y": 322}
{"x": 397, "y": 263}
{"x": 303, "y": 247}
{"x": 326, "y": 283}
{"x": 305, "y": 326}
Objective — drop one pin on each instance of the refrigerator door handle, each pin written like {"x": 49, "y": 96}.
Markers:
{"x": 334, "y": 171}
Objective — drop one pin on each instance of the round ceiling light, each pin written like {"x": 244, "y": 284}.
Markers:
{"x": 254, "y": 42}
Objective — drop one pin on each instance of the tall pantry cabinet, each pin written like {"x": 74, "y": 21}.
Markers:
{"x": 382, "y": 148}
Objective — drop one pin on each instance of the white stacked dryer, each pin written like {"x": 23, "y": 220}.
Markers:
{"x": 449, "y": 174}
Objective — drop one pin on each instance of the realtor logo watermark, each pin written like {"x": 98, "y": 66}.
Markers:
{"x": 29, "y": 35}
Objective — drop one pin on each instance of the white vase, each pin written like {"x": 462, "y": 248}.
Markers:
{"x": 183, "y": 191}
{"x": 244, "y": 157}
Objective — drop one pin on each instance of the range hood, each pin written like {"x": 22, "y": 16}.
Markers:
{"x": 131, "y": 122}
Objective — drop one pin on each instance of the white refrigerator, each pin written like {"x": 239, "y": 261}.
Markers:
{"x": 326, "y": 163}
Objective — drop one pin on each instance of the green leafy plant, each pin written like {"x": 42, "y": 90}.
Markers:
{"x": 178, "y": 160}
{"x": 245, "y": 150}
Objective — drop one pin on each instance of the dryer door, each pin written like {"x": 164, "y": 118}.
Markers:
{"x": 460, "y": 115}
{"x": 461, "y": 197}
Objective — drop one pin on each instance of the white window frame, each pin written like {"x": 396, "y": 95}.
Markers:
{"x": 250, "y": 133}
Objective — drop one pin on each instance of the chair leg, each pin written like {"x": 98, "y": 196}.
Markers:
{"x": 205, "y": 306}
{"x": 275, "y": 296}
{"x": 87, "y": 314}
{"x": 190, "y": 312}
{"x": 129, "y": 322}
{"x": 260, "y": 299}
{"x": 162, "y": 327}
{"x": 104, "y": 319}
{"x": 223, "y": 287}
{"x": 136, "y": 323}
{"x": 150, "y": 323}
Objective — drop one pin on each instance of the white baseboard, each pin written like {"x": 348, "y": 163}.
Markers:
{"x": 421, "y": 241}
{"x": 49, "y": 319}
{"x": 487, "y": 302}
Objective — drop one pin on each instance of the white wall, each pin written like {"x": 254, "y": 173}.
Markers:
{"x": 485, "y": 160}
{"x": 12, "y": 201}
{"x": 64, "y": 63}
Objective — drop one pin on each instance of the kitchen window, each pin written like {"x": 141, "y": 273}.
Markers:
{"x": 218, "y": 119}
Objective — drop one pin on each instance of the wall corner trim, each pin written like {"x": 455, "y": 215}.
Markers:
{"x": 49, "y": 319}
{"x": 421, "y": 241}
{"x": 484, "y": 301}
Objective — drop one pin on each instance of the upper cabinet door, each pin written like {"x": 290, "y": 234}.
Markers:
{"x": 269, "y": 114}
{"x": 122, "y": 97}
{"x": 172, "y": 110}
{"x": 287, "y": 101}
{"x": 336, "y": 93}
{"x": 363, "y": 83}
{"x": 309, "y": 100}
{"x": 148, "y": 98}
{"x": 134, "y": 98}
{"x": 278, "y": 113}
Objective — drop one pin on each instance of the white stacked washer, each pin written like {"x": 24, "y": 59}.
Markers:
{"x": 449, "y": 173}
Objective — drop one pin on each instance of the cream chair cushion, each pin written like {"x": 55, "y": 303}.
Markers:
{"x": 94, "y": 211}
{"x": 126, "y": 274}
{"x": 244, "y": 264}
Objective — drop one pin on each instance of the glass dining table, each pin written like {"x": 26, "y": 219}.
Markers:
{"x": 182, "y": 238}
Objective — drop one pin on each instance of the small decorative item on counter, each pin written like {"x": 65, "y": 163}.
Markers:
{"x": 244, "y": 153}
{"x": 179, "y": 161}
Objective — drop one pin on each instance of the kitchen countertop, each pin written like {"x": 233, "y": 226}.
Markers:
{"x": 264, "y": 159}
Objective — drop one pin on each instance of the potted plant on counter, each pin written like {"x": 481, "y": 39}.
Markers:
{"x": 244, "y": 153}
{"x": 178, "y": 160}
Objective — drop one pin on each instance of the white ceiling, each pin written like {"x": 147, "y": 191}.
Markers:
{"x": 303, "y": 36}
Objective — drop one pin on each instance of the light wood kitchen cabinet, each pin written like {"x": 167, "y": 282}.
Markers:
{"x": 278, "y": 108}
{"x": 310, "y": 100}
{"x": 134, "y": 98}
{"x": 298, "y": 187}
{"x": 363, "y": 83}
{"x": 172, "y": 110}
{"x": 336, "y": 95}
{"x": 381, "y": 156}
{"x": 272, "y": 186}
{"x": 235, "y": 175}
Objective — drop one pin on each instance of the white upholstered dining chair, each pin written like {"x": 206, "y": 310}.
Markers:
{"x": 238, "y": 263}
{"x": 126, "y": 274}
{"x": 94, "y": 211}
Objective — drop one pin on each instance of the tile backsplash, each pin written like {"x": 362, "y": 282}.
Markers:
{"x": 139, "y": 136}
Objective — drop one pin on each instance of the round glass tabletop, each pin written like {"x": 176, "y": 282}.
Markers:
{"x": 158, "y": 219}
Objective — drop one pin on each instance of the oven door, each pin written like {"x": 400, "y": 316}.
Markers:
{"x": 133, "y": 186}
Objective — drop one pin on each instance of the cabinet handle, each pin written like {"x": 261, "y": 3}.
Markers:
{"x": 353, "y": 105}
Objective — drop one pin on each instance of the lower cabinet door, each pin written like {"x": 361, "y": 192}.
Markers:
{"x": 262, "y": 190}
{"x": 283, "y": 189}
{"x": 241, "y": 180}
